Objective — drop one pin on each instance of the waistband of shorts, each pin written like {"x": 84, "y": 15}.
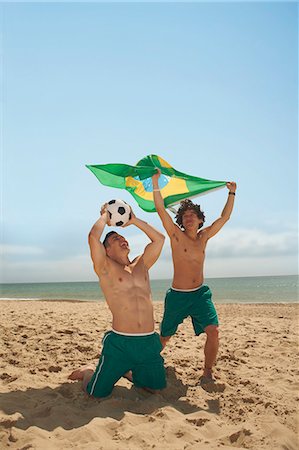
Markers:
{"x": 133, "y": 334}
{"x": 187, "y": 290}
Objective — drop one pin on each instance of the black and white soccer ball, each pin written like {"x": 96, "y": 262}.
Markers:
{"x": 119, "y": 212}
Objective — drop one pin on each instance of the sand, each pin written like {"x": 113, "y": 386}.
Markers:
{"x": 253, "y": 405}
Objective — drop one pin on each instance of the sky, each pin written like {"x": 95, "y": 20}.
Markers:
{"x": 210, "y": 87}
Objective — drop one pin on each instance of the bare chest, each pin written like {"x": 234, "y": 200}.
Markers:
{"x": 124, "y": 279}
{"x": 186, "y": 249}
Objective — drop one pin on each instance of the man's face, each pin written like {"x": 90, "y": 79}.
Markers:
{"x": 117, "y": 245}
{"x": 191, "y": 220}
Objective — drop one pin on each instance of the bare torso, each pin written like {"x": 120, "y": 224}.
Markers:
{"x": 188, "y": 257}
{"x": 128, "y": 295}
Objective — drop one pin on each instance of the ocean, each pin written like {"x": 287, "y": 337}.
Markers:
{"x": 270, "y": 289}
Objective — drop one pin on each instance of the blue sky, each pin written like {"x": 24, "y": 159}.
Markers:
{"x": 212, "y": 88}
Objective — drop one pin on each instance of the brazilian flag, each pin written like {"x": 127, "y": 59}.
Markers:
{"x": 174, "y": 185}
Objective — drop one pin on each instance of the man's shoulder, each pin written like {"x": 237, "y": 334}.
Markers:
{"x": 136, "y": 260}
{"x": 203, "y": 231}
{"x": 176, "y": 231}
{"x": 107, "y": 266}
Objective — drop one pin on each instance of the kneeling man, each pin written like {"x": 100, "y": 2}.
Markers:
{"x": 132, "y": 344}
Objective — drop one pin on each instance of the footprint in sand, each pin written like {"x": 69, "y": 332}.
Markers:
{"x": 198, "y": 422}
{"x": 244, "y": 382}
{"x": 237, "y": 439}
{"x": 12, "y": 437}
{"x": 83, "y": 349}
{"x": 8, "y": 378}
{"x": 151, "y": 419}
{"x": 8, "y": 423}
{"x": 160, "y": 413}
{"x": 26, "y": 447}
{"x": 249, "y": 400}
{"x": 55, "y": 369}
{"x": 13, "y": 362}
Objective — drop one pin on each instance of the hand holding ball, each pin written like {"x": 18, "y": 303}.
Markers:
{"x": 119, "y": 212}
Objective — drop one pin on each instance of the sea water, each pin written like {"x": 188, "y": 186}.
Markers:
{"x": 270, "y": 289}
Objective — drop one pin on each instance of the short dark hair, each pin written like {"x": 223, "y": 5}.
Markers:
{"x": 105, "y": 241}
{"x": 186, "y": 205}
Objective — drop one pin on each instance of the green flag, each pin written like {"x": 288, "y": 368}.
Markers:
{"x": 174, "y": 185}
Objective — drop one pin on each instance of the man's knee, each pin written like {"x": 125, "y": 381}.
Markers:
{"x": 212, "y": 332}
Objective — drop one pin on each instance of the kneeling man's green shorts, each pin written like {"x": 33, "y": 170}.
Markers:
{"x": 181, "y": 304}
{"x": 121, "y": 353}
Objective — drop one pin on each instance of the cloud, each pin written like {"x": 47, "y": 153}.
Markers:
{"x": 238, "y": 243}
{"x": 77, "y": 268}
{"x": 20, "y": 250}
{"x": 252, "y": 243}
{"x": 233, "y": 252}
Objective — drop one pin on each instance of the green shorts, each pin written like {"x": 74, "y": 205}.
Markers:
{"x": 181, "y": 304}
{"x": 121, "y": 353}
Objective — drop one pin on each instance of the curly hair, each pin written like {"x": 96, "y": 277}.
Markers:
{"x": 187, "y": 205}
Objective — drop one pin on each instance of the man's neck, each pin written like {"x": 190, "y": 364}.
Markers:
{"x": 123, "y": 261}
{"x": 192, "y": 234}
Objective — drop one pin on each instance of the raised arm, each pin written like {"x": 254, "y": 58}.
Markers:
{"x": 159, "y": 204}
{"x": 153, "y": 249}
{"x": 97, "y": 249}
{"x": 225, "y": 215}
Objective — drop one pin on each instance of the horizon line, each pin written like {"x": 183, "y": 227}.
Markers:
{"x": 153, "y": 279}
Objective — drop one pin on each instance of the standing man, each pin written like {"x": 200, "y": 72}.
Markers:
{"x": 131, "y": 345}
{"x": 188, "y": 296}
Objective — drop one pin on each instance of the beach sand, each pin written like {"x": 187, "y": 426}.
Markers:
{"x": 254, "y": 403}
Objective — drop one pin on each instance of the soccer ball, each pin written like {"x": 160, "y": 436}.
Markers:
{"x": 119, "y": 212}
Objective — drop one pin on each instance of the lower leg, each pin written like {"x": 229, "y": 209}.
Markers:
{"x": 210, "y": 351}
{"x": 164, "y": 340}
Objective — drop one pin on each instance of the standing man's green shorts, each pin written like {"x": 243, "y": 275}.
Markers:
{"x": 194, "y": 303}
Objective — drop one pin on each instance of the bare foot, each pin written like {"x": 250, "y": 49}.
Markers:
{"x": 78, "y": 374}
{"x": 128, "y": 376}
